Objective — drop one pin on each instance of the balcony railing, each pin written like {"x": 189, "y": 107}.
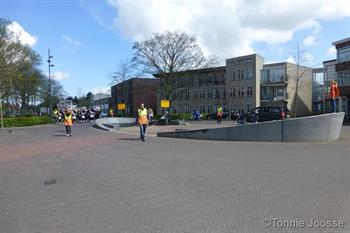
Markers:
{"x": 282, "y": 79}
{"x": 271, "y": 98}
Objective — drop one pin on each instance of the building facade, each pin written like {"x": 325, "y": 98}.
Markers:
{"x": 342, "y": 69}
{"x": 201, "y": 90}
{"x": 103, "y": 101}
{"x": 132, "y": 93}
{"x": 287, "y": 84}
{"x": 243, "y": 84}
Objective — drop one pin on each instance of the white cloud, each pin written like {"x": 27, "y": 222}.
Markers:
{"x": 290, "y": 59}
{"x": 307, "y": 57}
{"x": 226, "y": 28}
{"x": 331, "y": 51}
{"x": 309, "y": 41}
{"x": 104, "y": 90}
{"x": 72, "y": 42}
{"x": 23, "y": 36}
{"x": 59, "y": 75}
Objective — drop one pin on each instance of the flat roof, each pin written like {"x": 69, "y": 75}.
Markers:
{"x": 329, "y": 61}
{"x": 341, "y": 41}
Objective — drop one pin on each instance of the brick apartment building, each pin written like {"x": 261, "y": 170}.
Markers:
{"x": 243, "y": 84}
{"x": 133, "y": 92}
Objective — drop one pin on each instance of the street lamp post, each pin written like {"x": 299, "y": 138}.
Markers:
{"x": 50, "y": 65}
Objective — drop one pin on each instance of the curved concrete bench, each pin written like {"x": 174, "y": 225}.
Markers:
{"x": 325, "y": 127}
{"x": 114, "y": 123}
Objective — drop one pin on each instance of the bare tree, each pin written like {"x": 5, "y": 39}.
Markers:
{"x": 166, "y": 54}
{"x": 124, "y": 71}
{"x": 300, "y": 75}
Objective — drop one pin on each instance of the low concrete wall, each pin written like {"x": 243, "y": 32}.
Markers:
{"x": 313, "y": 128}
{"x": 114, "y": 123}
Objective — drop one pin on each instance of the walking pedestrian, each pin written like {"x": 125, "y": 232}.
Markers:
{"x": 150, "y": 115}
{"x": 219, "y": 115}
{"x": 142, "y": 121}
{"x": 68, "y": 122}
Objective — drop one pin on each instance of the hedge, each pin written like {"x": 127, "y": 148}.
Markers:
{"x": 26, "y": 121}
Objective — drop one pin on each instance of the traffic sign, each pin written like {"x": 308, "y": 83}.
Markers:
{"x": 164, "y": 103}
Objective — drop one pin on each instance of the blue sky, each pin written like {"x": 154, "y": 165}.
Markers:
{"x": 89, "y": 37}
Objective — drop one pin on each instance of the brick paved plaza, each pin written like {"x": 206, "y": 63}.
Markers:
{"x": 97, "y": 182}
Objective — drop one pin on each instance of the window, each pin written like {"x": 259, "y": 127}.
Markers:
{"x": 344, "y": 54}
{"x": 210, "y": 94}
{"x": 194, "y": 95}
{"x": 280, "y": 92}
{"x": 233, "y": 75}
{"x": 250, "y": 91}
{"x": 273, "y": 74}
{"x": 201, "y": 94}
{"x": 233, "y": 92}
{"x": 242, "y": 91}
{"x": 265, "y": 76}
{"x": 265, "y": 93}
{"x": 217, "y": 94}
{"x": 343, "y": 78}
{"x": 248, "y": 107}
{"x": 249, "y": 73}
{"x": 240, "y": 75}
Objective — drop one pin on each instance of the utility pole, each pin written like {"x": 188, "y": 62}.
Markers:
{"x": 50, "y": 65}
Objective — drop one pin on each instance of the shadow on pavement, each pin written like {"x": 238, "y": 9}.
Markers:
{"x": 129, "y": 139}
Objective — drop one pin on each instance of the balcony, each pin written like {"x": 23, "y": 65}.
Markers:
{"x": 273, "y": 98}
{"x": 277, "y": 81}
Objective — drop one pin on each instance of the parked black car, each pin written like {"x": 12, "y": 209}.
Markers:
{"x": 212, "y": 116}
{"x": 270, "y": 113}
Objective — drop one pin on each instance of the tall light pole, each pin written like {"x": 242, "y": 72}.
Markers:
{"x": 50, "y": 65}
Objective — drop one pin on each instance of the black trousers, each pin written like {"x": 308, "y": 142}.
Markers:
{"x": 69, "y": 129}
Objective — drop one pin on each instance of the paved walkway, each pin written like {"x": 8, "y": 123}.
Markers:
{"x": 100, "y": 182}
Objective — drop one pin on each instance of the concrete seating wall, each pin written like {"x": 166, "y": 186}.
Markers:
{"x": 325, "y": 127}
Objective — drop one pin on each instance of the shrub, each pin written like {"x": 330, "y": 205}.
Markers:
{"x": 26, "y": 121}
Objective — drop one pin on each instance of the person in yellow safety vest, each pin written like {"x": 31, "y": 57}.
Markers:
{"x": 333, "y": 94}
{"x": 142, "y": 120}
{"x": 219, "y": 115}
{"x": 111, "y": 114}
{"x": 55, "y": 113}
{"x": 68, "y": 122}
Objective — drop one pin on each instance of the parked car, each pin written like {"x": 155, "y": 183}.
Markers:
{"x": 212, "y": 116}
{"x": 270, "y": 113}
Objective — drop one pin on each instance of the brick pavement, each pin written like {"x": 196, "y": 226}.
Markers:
{"x": 110, "y": 182}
